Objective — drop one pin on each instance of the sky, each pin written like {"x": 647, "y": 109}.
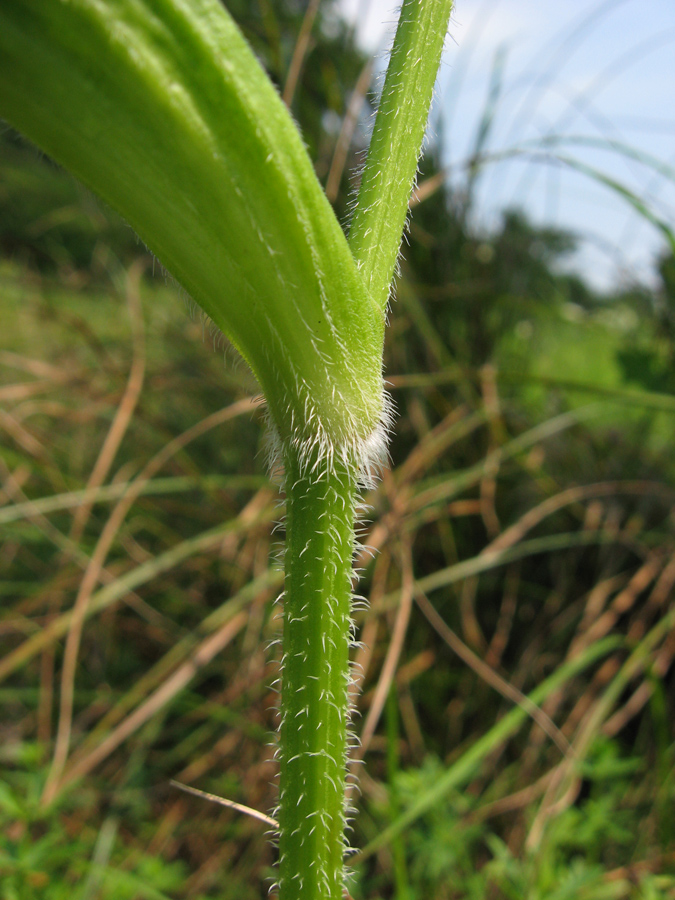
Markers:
{"x": 586, "y": 89}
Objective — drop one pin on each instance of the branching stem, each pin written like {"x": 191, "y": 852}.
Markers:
{"x": 162, "y": 108}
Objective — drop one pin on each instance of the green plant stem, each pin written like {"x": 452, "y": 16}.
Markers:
{"x": 160, "y": 106}
{"x": 314, "y": 705}
{"x": 375, "y": 234}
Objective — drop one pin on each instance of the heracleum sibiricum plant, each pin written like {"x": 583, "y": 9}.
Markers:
{"x": 161, "y": 108}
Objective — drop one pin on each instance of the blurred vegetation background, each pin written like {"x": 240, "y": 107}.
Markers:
{"x": 524, "y": 540}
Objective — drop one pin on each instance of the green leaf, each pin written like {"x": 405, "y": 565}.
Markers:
{"x": 161, "y": 107}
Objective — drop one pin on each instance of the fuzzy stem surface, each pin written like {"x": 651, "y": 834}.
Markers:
{"x": 320, "y": 506}
{"x": 389, "y": 173}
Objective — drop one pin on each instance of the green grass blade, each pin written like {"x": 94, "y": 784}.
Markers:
{"x": 465, "y": 767}
{"x": 109, "y": 492}
{"x": 128, "y": 582}
{"x": 441, "y": 488}
{"x": 638, "y": 204}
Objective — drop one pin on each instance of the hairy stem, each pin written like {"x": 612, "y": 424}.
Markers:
{"x": 375, "y": 234}
{"x": 314, "y": 705}
{"x": 162, "y": 108}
